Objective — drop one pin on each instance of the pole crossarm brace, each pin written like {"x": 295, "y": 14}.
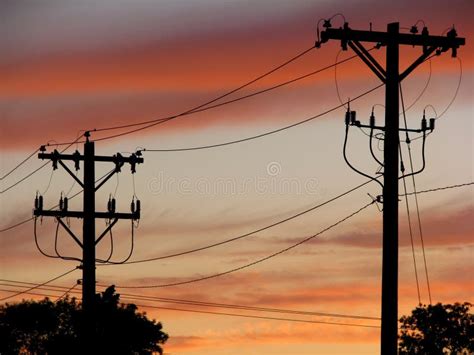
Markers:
{"x": 426, "y": 53}
{"x": 71, "y": 173}
{"x": 109, "y": 227}
{"x": 76, "y": 239}
{"x": 368, "y": 59}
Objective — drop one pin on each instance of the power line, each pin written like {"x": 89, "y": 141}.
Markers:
{"x": 16, "y": 225}
{"x": 231, "y": 314}
{"x": 259, "y": 317}
{"x": 416, "y": 203}
{"x": 188, "y": 111}
{"x": 19, "y": 164}
{"x": 249, "y": 233}
{"x": 39, "y": 285}
{"x": 67, "y": 291}
{"x": 409, "y": 225}
{"x": 166, "y": 119}
{"x": 409, "y": 193}
{"x": 266, "y": 133}
{"x": 192, "y": 110}
{"x": 256, "y": 261}
{"x": 197, "y": 303}
{"x": 40, "y": 167}
{"x": 441, "y": 188}
{"x": 24, "y": 178}
{"x": 457, "y": 89}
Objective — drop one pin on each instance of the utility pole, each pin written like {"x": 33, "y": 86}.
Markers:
{"x": 88, "y": 216}
{"x": 391, "y": 77}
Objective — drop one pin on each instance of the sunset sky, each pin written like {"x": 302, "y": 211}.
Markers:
{"x": 69, "y": 66}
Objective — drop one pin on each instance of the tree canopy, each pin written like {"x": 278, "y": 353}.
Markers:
{"x": 438, "y": 329}
{"x": 53, "y": 328}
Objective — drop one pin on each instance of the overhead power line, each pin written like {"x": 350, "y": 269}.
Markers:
{"x": 408, "y": 142}
{"x": 266, "y": 133}
{"x": 299, "y": 55}
{"x": 254, "y": 262}
{"x": 24, "y": 178}
{"x": 299, "y": 214}
{"x": 202, "y": 109}
{"x": 441, "y": 188}
{"x": 227, "y": 314}
{"x": 409, "y": 193}
{"x": 68, "y": 145}
{"x": 186, "y": 112}
{"x": 185, "y": 301}
{"x": 196, "y": 109}
{"x": 259, "y": 317}
{"x": 19, "y": 164}
{"x": 69, "y": 290}
{"x": 456, "y": 92}
{"x": 38, "y": 285}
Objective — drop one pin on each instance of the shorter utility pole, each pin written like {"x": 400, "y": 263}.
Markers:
{"x": 88, "y": 215}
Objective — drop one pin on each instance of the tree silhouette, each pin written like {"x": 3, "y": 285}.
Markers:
{"x": 438, "y": 329}
{"x": 46, "y": 327}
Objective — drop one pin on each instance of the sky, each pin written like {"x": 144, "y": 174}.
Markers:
{"x": 70, "y": 66}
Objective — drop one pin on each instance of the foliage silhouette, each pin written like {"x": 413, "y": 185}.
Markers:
{"x": 438, "y": 329}
{"x": 46, "y": 327}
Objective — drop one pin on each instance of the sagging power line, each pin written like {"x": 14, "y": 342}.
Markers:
{"x": 15, "y": 286}
{"x": 200, "y": 108}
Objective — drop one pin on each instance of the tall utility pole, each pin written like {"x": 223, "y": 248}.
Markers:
{"x": 392, "y": 78}
{"x": 88, "y": 216}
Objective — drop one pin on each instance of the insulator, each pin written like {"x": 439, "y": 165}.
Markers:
{"x": 138, "y": 206}
{"x": 36, "y": 202}
{"x": 452, "y": 34}
{"x": 432, "y": 124}
{"x": 423, "y": 124}
{"x": 424, "y": 33}
{"x": 132, "y": 206}
{"x": 372, "y": 120}
{"x": 348, "y": 118}
{"x": 132, "y": 167}
{"x": 353, "y": 117}
{"x": 65, "y": 203}
{"x": 109, "y": 205}
{"x": 118, "y": 162}
{"x": 61, "y": 203}
{"x": 113, "y": 205}
{"x": 40, "y": 203}
{"x": 344, "y": 45}
{"x": 76, "y": 156}
{"x": 55, "y": 159}
{"x": 414, "y": 29}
